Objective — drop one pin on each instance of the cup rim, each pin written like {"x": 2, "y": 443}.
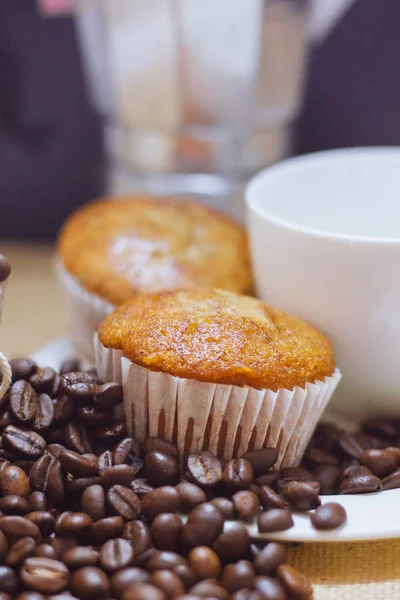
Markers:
{"x": 252, "y": 195}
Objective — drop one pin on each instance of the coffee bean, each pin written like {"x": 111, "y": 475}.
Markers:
{"x": 380, "y": 462}
{"x": 81, "y": 386}
{"x": 139, "y": 535}
{"x": 328, "y": 477}
{"x": 60, "y": 544}
{"x": 90, "y": 583}
{"x": 382, "y": 427}
{"x": 44, "y": 519}
{"x": 186, "y": 575}
{"x": 44, "y": 413}
{"x": 163, "y": 499}
{"x": 8, "y": 580}
{"x": 270, "y": 588}
{"x": 14, "y": 505}
{"x": 353, "y": 469}
{"x": 238, "y": 575}
{"x": 302, "y": 495}
{"x": 349, "y": 446}
{"x": 126, "y": 451}
{"x": 105, "y": 461}
{"x": 22, "y": 368}
{"x": 123, "y": 502}
{"x": 70, "y": 365}
{"x": 191, "y": 495}
{"x": 33, "y": 596}
{"x": 157, "y": 444}
{"x": 143, "y": 591}
{"x": 5, "y": 416}
{"x": 246, "y": 594}
{"x": 295, "y": 583}
{"x": 328, "y": 516}
{"x": 209, "y": 588}
{"x": 19, "y": 551}
{"x": 205, "y": 469}
{"x": 205, "y": 562}
{"x": 104, "y": 529}
{"x": 269, "y": 559}
{"x": 77, "y": 439}
{"x": 108, "y": 395}
{"x": 37, "y": 501}
{"x": 270, "y": 499}
{"x": 93, "y": 502}
{"x": 261, "y": 460}
{"x": 13, "y": 480}
{"x": 392, "y": 481}
{"x": 238, "y": 474}
{"x": 164, "y": 560}
{"x": 64, "y": 410}
{"x": 46, "y": 476}
{"x": 115, "y": 554}
{"x": 225, "y": 506}
{"x": 47, "y": 551}
{"x": 80, "y": 465}
{"x": 55, "y": 450}
{"x": 23, "y": 441}
{"x": 73, "y": 523}
{"x": 232, "y": 544}
{"x": 203, "y": 526}
{"x": 43, "y": 380}
{"x": 93, "y": 416}
{"x": 360, "y": 484}
{"x": 161, "y": 469}
{"x": 23, "y": 402}
{"x": 3, "y": 547}
{"x": 246, "y": 504}
{"x": 125, "y": 577}
{"x": 141, "y": 487}
{"x": 76, "y": 487}
{"x": 275, "y": 519}
{"x": 44, "y": 575}
{"x": 18, "y": 527}
{"x": 111, "y": 434}
{"x": 117, "y": 475}
{"x": 80, "y": 556}
{"x": 166, "y": 531}
{"x": 167, "y": 582}
{"x": 321, "y": 457}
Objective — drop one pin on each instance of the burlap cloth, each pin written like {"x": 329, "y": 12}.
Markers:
{"x": 33, "y": 316}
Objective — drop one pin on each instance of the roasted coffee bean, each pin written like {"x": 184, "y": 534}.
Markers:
{"x": 64, "y": 410}
{"x": 44, "y": 413}
{"x": 18, "y": 527}
{"x": 22, "y": 368}
{"x": 380, "y": 462}
{"x": 238, "y": 474}
{"x": 186, "y": 575}
{"x": 125, "y": 577}
{"x": 269, "y": 559}
{"x": 105, "y": 461}
{"x": 44, "y": 575}
{"x": 225, "y": 506}
{"x": 126, "y": 451}
{"x": 79, "y": 385}
{"x": 360, "y": 484}
{"x": 77, "y": 486}
{"x": 13, "y": 480}
{"x": 141, "y": 487}
{"x": 93, "y": 502}
{"x": 23, "y": 441}
{"x": 70, "y": 365}
{"x": 124, "y": 502}
{"x": 383, "y": 427}
{"x": 80, "y": 465}
{"x": 270, "y": 499}
{"x": 44, "y": 519}
{"x": 93, "y": 416}
{"x": 321, "y": 457}
{"x": 294, "y": 582}
{"x": 104, "y": 529}
{"x": 43, "y": 380}
{"x": 261, "y": 460}
{"x": 55, "y": 450}
{"x": 191, "y": 495}
{"x": 46, "y": 476}
{"x": 19, "y": 551}
{"x": 35, "y": 596}
{"x": 203, "y": 526}
{"x": 275, "y": 519}
{"x": 166, "y": 531}
{"x": 302, "y": 495}
{"x": 328, "y": 476}
{"x": 108, "y": 395}
{"x": 164, "y": 560}
{"x": 111, "y": 433}
{"x": 115, "y": 554}
{"x": 205, "y": 469}
{"x": 3, "y": 547}
{"x": 139, "y": 535}
{"x": 167, "y": 582}
{"x": 23, "y": 402}
{"x": 270, "y": 588}
{"x": 246, "y": 594}
{"x": 209, "y": 588}
{"x": 238, "y": 575}
{"x": 157, "y": 444}
{"x": 161, "y": 469}
{"x": 205, "y": 562}
{"x": 76, "y": 438}
{"x": 8, "y": 580}
{"x": 233, "y": 543}
{"x": 143, "y": 591}
{"x": 55, "y": 435}
{"x": 246, "y": 504}
{"x": 163, "y": 499}
{"x": 117, "y": 475}
{"x": 328, "y": 516}
{"x": 353, "y": 468}
{"x": 37, "y": 501}
{"x": 349, "y": 446}
{"x": 73, "y": 523}
{"x": 80, "y": 556}
{"x": 392, "y": 481}
{"x": 90, "y": 583}
{"x": 47, "y": 551}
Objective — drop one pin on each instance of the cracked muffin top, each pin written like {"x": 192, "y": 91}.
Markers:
{"x": 218, "y": 336}
{"x": 117, "y": 247}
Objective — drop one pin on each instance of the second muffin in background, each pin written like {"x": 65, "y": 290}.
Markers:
{"x": 215, "y": 370}
{"x": 114, "y": 248}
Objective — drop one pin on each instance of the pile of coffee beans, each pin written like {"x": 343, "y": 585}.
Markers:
{"x": 87, "y": 512}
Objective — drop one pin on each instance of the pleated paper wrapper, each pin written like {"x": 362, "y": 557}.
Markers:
{"x": 84, "y": 311}
{"x": 227, "y": 420}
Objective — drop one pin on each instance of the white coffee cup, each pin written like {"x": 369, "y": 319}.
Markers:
{"x": 325, "y": 243}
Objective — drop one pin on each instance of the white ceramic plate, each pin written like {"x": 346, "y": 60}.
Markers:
{"x": 369, "y": 516}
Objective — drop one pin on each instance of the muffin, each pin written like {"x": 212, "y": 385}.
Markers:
{"x": 215, "y": 370}
{"x": 114, "y": 248}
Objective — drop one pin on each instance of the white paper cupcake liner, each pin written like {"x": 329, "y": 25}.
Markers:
{"x": 85, "y": 312}
{"x": 226, "y": 419}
